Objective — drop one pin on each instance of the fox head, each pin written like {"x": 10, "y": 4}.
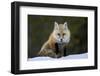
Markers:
{"x": 61, "y": 33}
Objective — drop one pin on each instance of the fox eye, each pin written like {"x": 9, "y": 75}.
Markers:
{"x": 58, "y": 34}
{"x": 63, "y": 34}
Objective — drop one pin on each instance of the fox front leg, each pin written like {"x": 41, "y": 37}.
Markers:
{"x": 61, "y": 49}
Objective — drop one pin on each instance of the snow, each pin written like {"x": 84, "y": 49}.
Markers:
{"x": 76, "y": 56}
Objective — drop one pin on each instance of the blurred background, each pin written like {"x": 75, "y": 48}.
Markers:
{"x": 40, "y": 27}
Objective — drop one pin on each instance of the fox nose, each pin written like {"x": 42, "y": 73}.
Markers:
{"x": 61, "y": 40}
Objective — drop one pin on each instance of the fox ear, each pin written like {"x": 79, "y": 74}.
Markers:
{"x": 56, "y": 27}
{"x": 65, "y": 25}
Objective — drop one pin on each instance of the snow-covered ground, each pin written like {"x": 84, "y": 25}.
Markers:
{"x": 76, "y": 56}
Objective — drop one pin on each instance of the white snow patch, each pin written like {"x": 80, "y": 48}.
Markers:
{"x": 76, "y": 56}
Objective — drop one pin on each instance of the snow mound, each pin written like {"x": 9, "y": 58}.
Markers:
{"x": 76, "y": 56}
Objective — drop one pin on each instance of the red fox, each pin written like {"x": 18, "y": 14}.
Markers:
{"x": 57, "y": 41}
